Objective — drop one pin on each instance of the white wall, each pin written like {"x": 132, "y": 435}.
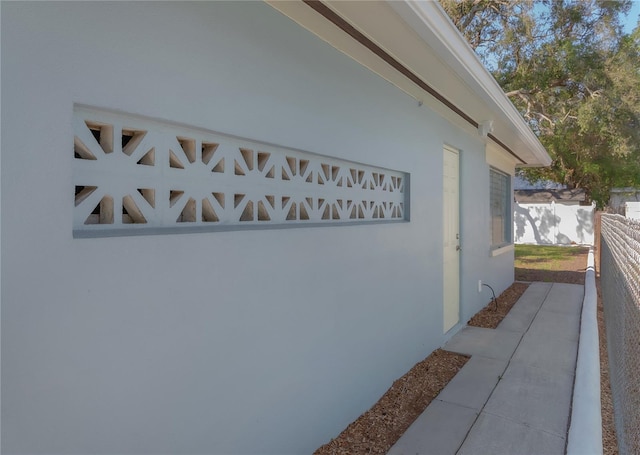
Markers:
{"x": 553, "y": 224}
{"x": 632, "y": 210}
{"x": 230, "y": 342}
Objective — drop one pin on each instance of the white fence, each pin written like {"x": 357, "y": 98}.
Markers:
{"x": 553, "y": 224}
{"x": 632, "y": 210}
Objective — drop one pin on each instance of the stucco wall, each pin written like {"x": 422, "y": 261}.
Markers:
{"x": 554, "y": 224}
{"x": 267, "y": 341}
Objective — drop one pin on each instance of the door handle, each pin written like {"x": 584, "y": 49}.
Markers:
{"x": 458, "y": 248}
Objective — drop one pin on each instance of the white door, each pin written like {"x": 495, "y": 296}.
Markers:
{"x": 451, "y": 241}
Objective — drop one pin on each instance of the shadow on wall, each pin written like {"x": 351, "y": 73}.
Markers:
{"x": 584, "y": 225}
{"x": 553, "y": 224}
{"x": 535, "y": 223}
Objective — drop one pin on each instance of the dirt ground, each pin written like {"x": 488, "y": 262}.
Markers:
{"x": 375, "y": 431}
{"x": 609, "y": 441}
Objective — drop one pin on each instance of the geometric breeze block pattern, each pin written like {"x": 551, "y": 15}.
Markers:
{"x": 137, "y": 175}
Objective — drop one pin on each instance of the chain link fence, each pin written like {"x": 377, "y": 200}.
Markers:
{"x": 620, "y": 284}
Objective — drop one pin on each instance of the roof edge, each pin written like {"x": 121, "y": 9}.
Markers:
{"x": 434, "y": 17}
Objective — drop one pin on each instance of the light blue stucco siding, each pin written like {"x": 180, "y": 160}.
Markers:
{"x": 262, "y": 341}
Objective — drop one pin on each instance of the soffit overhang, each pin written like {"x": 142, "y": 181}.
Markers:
{"x": 415, "y": 46}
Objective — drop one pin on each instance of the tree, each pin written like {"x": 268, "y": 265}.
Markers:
{"x": 574, "y": 76}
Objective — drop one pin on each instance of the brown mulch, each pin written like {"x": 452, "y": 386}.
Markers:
{"x": 375, "y": 431}
{"x": 490, "y": 316}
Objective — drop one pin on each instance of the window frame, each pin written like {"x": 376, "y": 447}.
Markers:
{"x": 506, "y": 241}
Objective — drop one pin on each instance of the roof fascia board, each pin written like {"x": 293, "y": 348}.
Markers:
{"x": 431, "y": 22}
{"x": 328, "y": 19}
{"x": 306, "y": 17}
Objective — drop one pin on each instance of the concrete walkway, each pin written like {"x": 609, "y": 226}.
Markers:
{"x": 514, "y": 395}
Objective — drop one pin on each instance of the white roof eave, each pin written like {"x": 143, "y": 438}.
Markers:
{"x": 419, "y": 36}
{"x": 431, "y": 22}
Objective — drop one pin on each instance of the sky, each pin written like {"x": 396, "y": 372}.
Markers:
{"x": 632, "y": 19}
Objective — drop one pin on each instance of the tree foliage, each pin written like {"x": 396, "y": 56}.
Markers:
{"x": 574, "y": 76}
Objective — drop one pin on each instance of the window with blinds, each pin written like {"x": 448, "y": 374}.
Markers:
{"x": 500, "y": 206}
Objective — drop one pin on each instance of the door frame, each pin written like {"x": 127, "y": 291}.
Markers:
{"x": 451, "y": 246}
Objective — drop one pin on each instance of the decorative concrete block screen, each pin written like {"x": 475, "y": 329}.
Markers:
{"x": 137, "y": 175}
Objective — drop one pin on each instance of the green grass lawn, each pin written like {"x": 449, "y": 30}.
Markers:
{"x": 550, "y": 263}
{"x": 547, "y": 253}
